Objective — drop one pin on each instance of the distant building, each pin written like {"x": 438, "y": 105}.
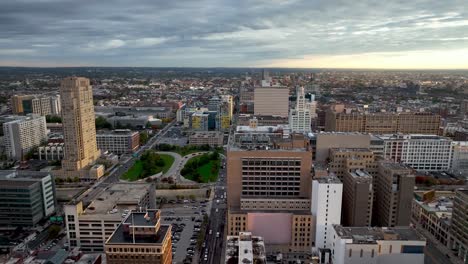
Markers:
{"x": 417, "y": 151}
{"x": 88, "y": 228}
{"x": 327, "y": 193}
{"x": 378, "y": 245}
{"x": 300, "y": 116}
{"x": 52, "y": 151}
{"x": 245, "y": 248}
{"x": 119, "y": 141}
{"x": 460, "y": 157}
{"x": 26, "y": 197}
{"x": 271, "y": 101}
{"x": 327, "y": 140}
{"x": 341, "y": 120}
{"x": 35, "y": 104}
{"x": 79, "y": 129}
{"x": 394, "y": 186}
{"x": 344, "y": 160}
{"x": 140, "y": 238}
{"x": 157, "y": 111}
{"x": 137, "y": 122}
{"x": 200, "y": 121}
{"x": 211, "y": 138}
{"x": 22, "y": 134}
{"x": 244, "y": 120}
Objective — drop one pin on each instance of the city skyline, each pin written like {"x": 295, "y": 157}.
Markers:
{"x": 291, "y": 34}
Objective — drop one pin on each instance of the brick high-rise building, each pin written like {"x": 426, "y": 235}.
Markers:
{"x": 79, "y": 129}
{"x": 394, "y": 186}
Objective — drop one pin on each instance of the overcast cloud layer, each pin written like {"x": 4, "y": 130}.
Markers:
{"x": 233, "y": 33}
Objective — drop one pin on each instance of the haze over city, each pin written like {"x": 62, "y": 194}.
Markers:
{"x": 308, "y": 34}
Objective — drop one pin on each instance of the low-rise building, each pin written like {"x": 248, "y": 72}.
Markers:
{"x": 26, "y": 197}
{"x": 376, "y": 245}
{"x": 119, "y": 141}
{"x": 212, "y": 138}
{"x": 140, "y": 238}
{"x": 52, "y": 151}
{"x": 245, "y": 248}
{"x": 88, "y": 228}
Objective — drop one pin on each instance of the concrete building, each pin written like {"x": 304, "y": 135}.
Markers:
{"x": 140, "y": 238}
{"x": 327, "y": 140}
{"x": 200, "y": 121}
{"x": 52, "y": 151}
{"x": 55, "y": 127}
{"x": 119, "y": 141}
{"x": 344, "y": 160}
{"x": 378, "y": 245}
{"x": 88, "y": 228}
{"x": 358, "y": 198}
{"x": 245, "y": 248}
{"x": 271, "y": 101}
{"x": 22, "y": 134}
{"x": 458, "y": 229}
{"x": 212, "y": 138}
{"x": 244, "y": 120}
{"x": 79, "y": 129}
{"x": 154, "y": 111}
{"x": 394, "y": 186}
{"x": 346, "y": 120}
{"x": 300, "y": 116}
{"x": 460, "y": 157}
{"x": 420, "y": 152}
{"x": 137, "y": 122}
{"x": 270, "y": 188}
{"x": 26, "y": 197}
{"x": 327, "y": 193}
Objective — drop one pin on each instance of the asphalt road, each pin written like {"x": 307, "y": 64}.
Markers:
{"x": 116, "y": 173}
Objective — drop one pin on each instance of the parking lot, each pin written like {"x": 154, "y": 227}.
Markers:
{"x": 174, "y": 136}
{"x": 186, "y": 217}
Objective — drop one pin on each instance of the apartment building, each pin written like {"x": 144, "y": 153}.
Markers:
{"x": 271, "y": 101}
{"x": 89, "y": 227}
{"x": 327, "y": 194}
{"x": 421, "y": 152}
{"x": 358, "y": 198}
{"x": 245, "y": 248}
{"x": 269, "y": 179}
{"x": 36, "y": 104}
{"x": 345, "y": 120}
{"x": 343, "y": 160}
{"x": 26, "y": 197}
{"x": 212, "y": 138}
{"x": 458, "y": 229}
{"x": 394, "y": 186}
{"x": 79, "y": 129}
{"x": 22, "y": 134}
{"x": 140, "y": 238}
{"x": 376, "y": 245}
{"x": 118, "y": 141}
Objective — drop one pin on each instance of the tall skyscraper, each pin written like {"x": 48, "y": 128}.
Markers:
{"x": 78, "y": 120}
{"x": 22, "y": 134}
{"x": 300, "y": 116}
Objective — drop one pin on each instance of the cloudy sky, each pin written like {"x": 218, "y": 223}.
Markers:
{"x": 235, "y": 33}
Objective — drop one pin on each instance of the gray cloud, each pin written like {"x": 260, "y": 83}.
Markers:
{"x": 221, "y": 32}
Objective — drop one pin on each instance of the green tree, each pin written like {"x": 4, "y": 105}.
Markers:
{"x": 143, "y": 138}
{"x": 53, "y": 119}
{"x": 54, "y": 231}
{"x": 101, "y": 123}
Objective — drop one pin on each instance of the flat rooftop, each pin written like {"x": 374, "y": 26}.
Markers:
{"x": 370, "y": 235}
{"x": 116, "y": 198}
{"x": 331, "y": 179}
{"x": 138, "y": 218}
{"x": 350, "y": 150}
{"x": 361, "y": 175}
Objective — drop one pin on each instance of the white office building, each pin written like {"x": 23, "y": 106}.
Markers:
{"x": 420, "y": 152}
{"x": 22, "y": 134}
{"x": 460, "y": 157}
{"x": 326, "y": 208}
{"x": 378, "y": 245}
{"x": 300, "y": 116}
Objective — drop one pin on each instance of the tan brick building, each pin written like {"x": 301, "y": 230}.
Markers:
{"x": 343, "y": 160}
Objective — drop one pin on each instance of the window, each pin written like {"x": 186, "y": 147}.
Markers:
{"x": 350, "y": 252}
{"x": 362, "y": 251}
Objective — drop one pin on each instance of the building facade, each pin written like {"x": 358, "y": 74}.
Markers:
{"x": 26, "y": 197}
{"x": 119, "y": 141}
{"x": 358, "y": 198}
{"x": 300, "y": 116}
{"x": 22, "y": 134}
{"x": 245, "y": 248}
{"x": 79, "y": 129}
{"x": 271, "y": 101}
{"x": 211, "y": 138}
{"x": 394, "y": 186}
{"x": 36, "y": 104}
{"x": 458, "y": 229}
